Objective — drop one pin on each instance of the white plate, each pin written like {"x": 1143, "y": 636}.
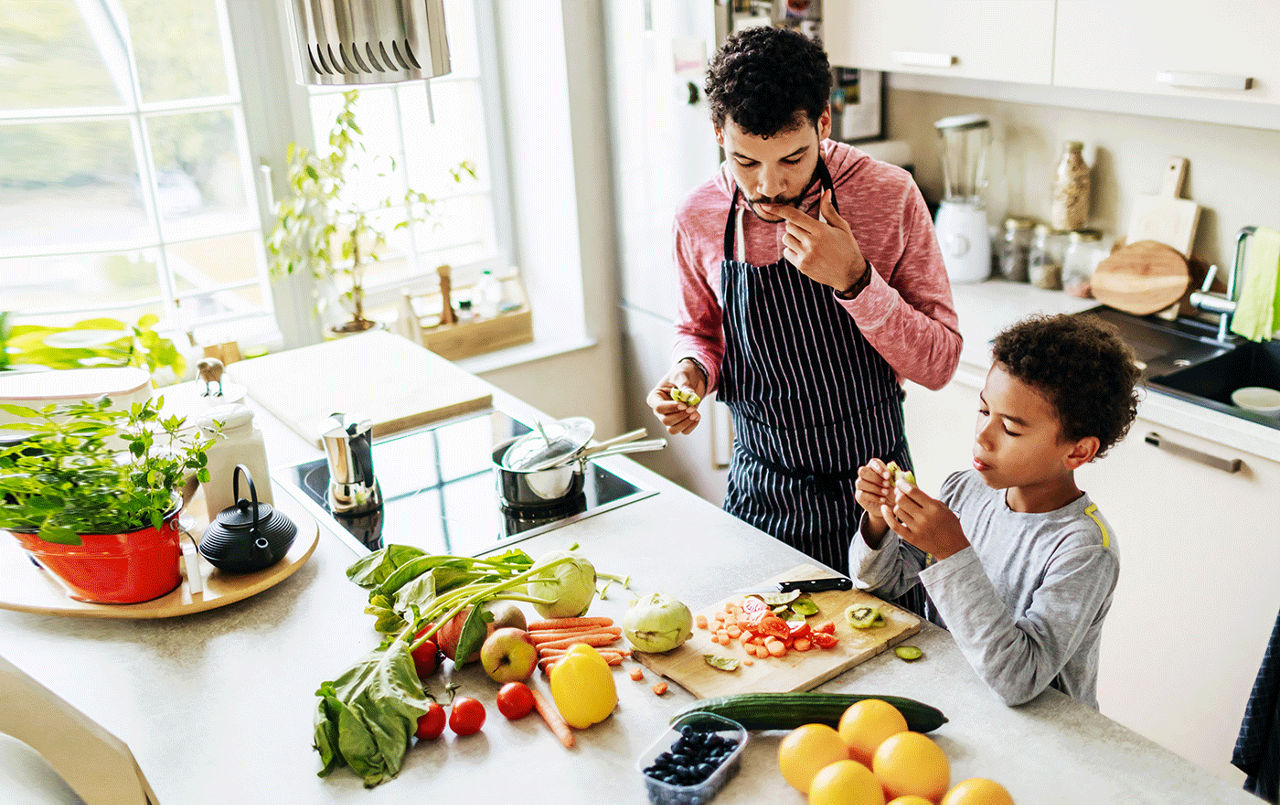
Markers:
{"x": 1259, "y": 399}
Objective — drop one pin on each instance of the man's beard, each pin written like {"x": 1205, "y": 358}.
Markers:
{"x": 790, "y": 201}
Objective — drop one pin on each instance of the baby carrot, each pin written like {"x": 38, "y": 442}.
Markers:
{"x": 660, "y": 688}
{"x": 701, "y": 621}
{"x": 637, "y": 674}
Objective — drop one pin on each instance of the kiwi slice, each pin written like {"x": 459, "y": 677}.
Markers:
{"x": 896, "y": 473}
{"x": 864, "y": 616}
{"x": 908, "y": 653}
{"x": 684, "y": 395}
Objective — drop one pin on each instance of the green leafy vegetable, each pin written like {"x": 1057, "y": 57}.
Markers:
{"x": 721, "y": 663}
{"x": 370, "y": 571}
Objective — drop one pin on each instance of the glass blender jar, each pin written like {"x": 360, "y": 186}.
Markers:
{"x": 961, "y": 224}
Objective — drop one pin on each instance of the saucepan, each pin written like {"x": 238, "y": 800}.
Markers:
{"x": 548, "y": 480}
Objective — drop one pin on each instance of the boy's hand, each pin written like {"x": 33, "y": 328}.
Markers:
{"x": 872, "y": 491}
{"x": 925, "y": 522}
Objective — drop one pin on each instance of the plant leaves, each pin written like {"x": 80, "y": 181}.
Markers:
{"x": 371, "y": 570}
{"x": 474, "y": 630}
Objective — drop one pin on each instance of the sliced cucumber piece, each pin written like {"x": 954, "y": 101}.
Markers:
{"x": 908, "y": 653}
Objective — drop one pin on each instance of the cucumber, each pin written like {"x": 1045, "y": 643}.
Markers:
{"x": 785, "y": 711}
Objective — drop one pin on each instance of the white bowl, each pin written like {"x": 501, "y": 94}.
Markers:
{"x": 1259, "y": 399}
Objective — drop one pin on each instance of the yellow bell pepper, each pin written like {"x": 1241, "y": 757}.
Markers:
{"x": 582, "y": 687}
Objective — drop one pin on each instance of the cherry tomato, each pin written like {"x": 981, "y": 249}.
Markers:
{"x": 430, "y": 723}
{"x": 425, "y": 656}
{"x": 515, "y": 700}
{"x": 467, "y": 716}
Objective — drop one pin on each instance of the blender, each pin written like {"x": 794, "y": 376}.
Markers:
{"x": 961, "y": 224}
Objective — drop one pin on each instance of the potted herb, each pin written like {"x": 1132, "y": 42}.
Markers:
{"x": 92, "y": 494}
{"x": 320, "y": 231}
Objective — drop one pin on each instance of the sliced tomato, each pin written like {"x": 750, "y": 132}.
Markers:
{"x": 824, "y": 640}
{"x": 773, "y": 625}
{"x": 829, "y": 627}
{"x": 799, "y": 629}
{"x": 751, "y": 605}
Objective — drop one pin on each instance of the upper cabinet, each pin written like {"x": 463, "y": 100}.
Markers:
{"x": 1223, "y": 49}
{"x": 1000, "y": 40}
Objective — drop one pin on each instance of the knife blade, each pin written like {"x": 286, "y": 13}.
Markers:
{"x": 803, "y": 585}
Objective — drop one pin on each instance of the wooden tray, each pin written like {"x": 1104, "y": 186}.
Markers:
{"x": 796, "y": 671}
{"x": 27, "y": 588}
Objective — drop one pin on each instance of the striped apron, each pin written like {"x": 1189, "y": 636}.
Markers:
{"x": 811, "y": 401}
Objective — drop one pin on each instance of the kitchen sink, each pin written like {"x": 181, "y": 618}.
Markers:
{"x": 1183, "y": 358}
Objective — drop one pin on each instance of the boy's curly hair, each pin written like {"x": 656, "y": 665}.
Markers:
{"x": 762, "y": 77}
{"x": 1081, "y": 366}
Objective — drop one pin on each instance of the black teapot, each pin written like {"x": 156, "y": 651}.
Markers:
{"x": 248, "y": 536}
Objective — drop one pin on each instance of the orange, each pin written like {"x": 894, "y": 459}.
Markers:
{"x": 845, "y": 782}
{"x": 910, "y": 799}
{"x": 806, "y": 751}
{"x": 866, "y": 724}
{"x": 910, "y": 763}
{"x": 977, "y": 791}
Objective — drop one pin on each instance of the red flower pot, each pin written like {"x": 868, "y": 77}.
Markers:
{"x": 114, "y": 568}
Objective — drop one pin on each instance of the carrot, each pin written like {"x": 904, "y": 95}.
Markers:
{"x": 539, "y": 638}
{"x": 590, "y": 640}
{"x": 546, "y": 663}
{"x": 748, "y": 661}
{"x": 637, "y": 674}
{"x": 569, "y": 623}
{"x": 777, "y": 649}
{"x": 553, "y": 718}
{"x": 543, "y": 651}
{"x": 734, "y": 631}
{"x": 701, "y": 621}
{"x": 803, "y": 644}
{"x": 659, "y": 688}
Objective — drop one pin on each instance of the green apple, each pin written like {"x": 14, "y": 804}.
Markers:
{"x": 509, "y": 655}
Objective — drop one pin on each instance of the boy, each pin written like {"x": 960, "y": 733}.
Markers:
{"x": 1017, "y": 561}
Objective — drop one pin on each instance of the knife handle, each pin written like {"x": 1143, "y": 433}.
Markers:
{"x": 817, "y": 585}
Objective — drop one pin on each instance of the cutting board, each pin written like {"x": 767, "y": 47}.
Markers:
{"x": 797, "y": 670}
{"x": 384, "y": 377}
{"x": 1141, "y": 278}
{"x": 1165, "y": 216}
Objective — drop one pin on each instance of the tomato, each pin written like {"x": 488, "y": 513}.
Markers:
{"x": 824, "y": 640}
{"x": 799, "y": 629}
{"x": 430, "y": 723}
{"x": 467, "y": 716}
{"x": 829, "y": 627}
{"x": 515, "y": 700}
{"x": 773, "y": 625}
{"x": 425, "y": 656}
{"x": 752, "y": 605}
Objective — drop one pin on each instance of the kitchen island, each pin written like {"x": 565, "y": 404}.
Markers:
{"x": 217, "y": 706}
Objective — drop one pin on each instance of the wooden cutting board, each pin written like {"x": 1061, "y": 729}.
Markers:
{"x": 387, "y": 378}
{"x": 1141, "y": 278}
{"x": 797, "y": 670}
{"x": 1165, "y": 216}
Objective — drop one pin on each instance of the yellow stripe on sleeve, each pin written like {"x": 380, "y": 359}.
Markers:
{"x": 1092, "y": 510}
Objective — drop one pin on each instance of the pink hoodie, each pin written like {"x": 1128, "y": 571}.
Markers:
{"x": 905, "y": 313}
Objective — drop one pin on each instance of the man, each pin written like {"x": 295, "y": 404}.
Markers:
{"x": 811, "y": 285}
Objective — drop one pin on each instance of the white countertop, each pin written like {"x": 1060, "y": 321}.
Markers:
{"x": 985, "y": 308}
{"x": 217, "y": 706}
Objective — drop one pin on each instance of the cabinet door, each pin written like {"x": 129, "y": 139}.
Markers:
{"x": 1197, "y": 598}
{"x": 1196, "y": 48}
{"x": 1003, "y": 40}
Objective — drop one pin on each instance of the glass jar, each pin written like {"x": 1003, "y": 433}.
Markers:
{"x": 1084, "y": 252}
{"x": 1070, "y": 205}
{"x": 1015, "y": 248}
{"x": 1044, "y": 261}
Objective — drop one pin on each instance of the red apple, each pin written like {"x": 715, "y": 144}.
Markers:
{"x": 505, "y": 614}
{"x": 509, "y": 655}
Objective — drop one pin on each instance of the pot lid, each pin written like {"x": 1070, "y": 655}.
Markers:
{"x": 549, "y": 444}
{"x": 241, "y": 514}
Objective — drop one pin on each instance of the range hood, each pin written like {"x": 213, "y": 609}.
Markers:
{"x": 361, "y": 42}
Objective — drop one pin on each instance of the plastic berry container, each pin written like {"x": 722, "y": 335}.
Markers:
{"x": 662, "y": 792}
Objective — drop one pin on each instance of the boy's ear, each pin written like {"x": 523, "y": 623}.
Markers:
{"x": 1082, "y": 452}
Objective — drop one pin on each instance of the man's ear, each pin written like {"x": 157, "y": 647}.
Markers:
{"x": 1082, "y": 452}
{"x": 824, "y": 123}
{"x": 719, "y": 136}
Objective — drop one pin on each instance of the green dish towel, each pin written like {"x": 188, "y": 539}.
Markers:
{"x": 1258, "y": 311}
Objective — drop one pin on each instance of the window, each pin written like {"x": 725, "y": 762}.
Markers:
{"x": 125, "y": 182}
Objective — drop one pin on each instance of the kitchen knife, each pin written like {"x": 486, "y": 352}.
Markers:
{"x": 803, "y": 585}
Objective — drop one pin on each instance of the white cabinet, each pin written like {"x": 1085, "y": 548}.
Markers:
{"x": 1003, "y": 40}
{"x": 1224, "y": 49}
{"x": 1199, "y": 555}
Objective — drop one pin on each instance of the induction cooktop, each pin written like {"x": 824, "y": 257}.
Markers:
{"x": 440, "y": 491}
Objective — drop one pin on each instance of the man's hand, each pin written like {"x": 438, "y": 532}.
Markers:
{"x": 825, "y": 252}
{"x": 873, "y": 491}
{"x": 678, "y": 417}
{"x": 925, "y": 522}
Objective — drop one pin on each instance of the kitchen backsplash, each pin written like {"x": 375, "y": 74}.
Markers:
{"x": 1233, "y": 172}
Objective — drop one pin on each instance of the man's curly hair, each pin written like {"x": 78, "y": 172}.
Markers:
{"x": 1081, "y": 366}
{"x": 763, "y": 77}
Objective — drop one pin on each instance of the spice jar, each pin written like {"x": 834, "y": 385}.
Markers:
{"x": 1044, "y": 261}
{"x": 1070, "y": 206}
{"x": 1084, "y": 252}
{"x": 1015, "y": 248}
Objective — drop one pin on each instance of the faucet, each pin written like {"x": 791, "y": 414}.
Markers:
{"x": 1224, "y": 306}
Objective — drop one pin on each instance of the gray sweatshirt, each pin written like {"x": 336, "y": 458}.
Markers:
{"x": 1025, "y": 602}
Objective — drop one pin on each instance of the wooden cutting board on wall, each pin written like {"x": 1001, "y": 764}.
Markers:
{"x": 687, "y": 667}
{"x": 387, "y": 378}
{"x": 1166, "y": 217}
{"x": 1141, "y": 278}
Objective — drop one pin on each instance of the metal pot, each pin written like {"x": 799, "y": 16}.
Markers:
{"x": 554, "y": 486}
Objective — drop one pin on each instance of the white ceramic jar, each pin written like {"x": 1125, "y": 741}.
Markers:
{"x": 240, "y": 442}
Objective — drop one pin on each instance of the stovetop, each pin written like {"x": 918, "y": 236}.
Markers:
{"x": 440, "y": 491}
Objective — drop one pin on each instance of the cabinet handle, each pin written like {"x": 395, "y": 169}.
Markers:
{"x": 1175, "y": 78}
{"x": 1217, "y": 462}
{"x": 918, "y": 59}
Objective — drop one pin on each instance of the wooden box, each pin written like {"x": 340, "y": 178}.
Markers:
{"x": 419, "y": 321}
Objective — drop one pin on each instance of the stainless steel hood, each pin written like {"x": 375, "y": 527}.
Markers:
{"x": 361, "y": 42}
